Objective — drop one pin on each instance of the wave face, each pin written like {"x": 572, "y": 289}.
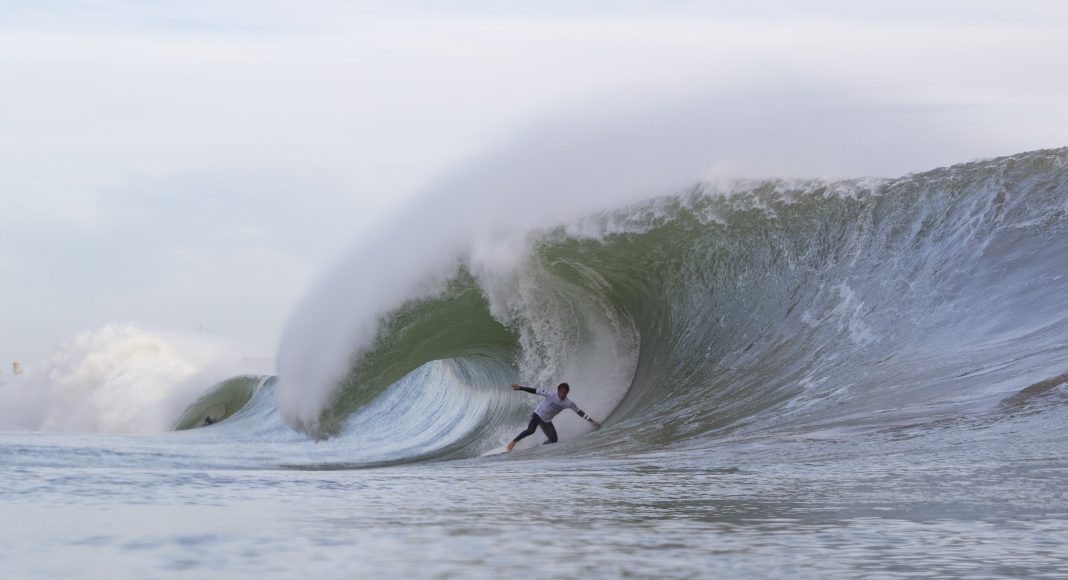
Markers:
{"x": 726, "y": 309}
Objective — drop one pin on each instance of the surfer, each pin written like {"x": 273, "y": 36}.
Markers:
{"x": 547, "y": 410}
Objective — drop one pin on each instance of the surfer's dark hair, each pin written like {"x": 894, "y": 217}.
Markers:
{"x": 566, "y": 387}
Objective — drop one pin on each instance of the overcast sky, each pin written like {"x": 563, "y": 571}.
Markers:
{"x": 192, "y": 167}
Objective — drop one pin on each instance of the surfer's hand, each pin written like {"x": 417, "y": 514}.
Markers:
{"x": 596, "y": 423}
{"x": 515, "y": 387}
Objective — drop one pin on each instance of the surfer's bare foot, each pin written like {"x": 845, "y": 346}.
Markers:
{"x": 510, "y": 445}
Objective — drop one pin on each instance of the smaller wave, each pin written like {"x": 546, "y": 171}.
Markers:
{"x": 220, "y": 402}
{"x": 442, "y": 410}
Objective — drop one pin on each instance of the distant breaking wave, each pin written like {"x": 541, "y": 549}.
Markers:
{"x": 721, "y": 309}
{"x": 116, "y": 379}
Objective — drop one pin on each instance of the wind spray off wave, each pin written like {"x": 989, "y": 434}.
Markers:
{"x": 488, "y": 215}
{"x": 481, "y": 217}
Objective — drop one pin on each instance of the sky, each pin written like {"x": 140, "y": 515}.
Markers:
{"x": 193, "y": 168}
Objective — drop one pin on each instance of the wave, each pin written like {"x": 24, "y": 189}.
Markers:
{"x": 221, "y": 401}
{"x": 759, "y": 305}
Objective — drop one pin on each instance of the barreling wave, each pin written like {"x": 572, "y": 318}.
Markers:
{"x": 220, "y": 402}
{"x": 724, "y": 309}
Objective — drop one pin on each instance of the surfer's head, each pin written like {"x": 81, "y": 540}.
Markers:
{"x": 562, "y": 390}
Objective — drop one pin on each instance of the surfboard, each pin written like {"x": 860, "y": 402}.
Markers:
{"x": 496, "y": 451}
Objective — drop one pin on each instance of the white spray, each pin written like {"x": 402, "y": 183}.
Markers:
{"x": 117, "y": 379}
{"x": 484, "y": 214}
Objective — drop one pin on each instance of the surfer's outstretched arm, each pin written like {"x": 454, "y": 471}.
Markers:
{"x": 516, "y": 387}
{"x": 583, "y": 414}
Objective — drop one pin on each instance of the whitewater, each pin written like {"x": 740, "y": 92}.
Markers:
{"x": 804, "y": 378}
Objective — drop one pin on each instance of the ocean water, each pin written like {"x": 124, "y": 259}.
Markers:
{"x": 862, "y": 378}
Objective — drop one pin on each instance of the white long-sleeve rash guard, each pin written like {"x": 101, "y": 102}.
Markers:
{"x": 553, "y": 405}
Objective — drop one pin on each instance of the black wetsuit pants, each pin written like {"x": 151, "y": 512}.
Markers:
{"x": 546, "y": 427}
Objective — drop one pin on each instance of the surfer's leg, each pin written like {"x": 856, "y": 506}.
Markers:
{"x": 534, "y": 420}
{"x": 550, "y": 431}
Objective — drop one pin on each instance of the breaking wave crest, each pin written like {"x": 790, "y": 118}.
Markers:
{"x": 722, "y": 309}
